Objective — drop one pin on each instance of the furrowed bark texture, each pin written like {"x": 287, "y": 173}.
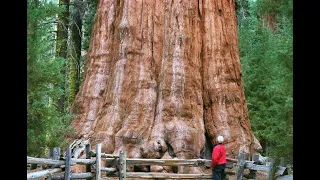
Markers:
{"x": 160, "y": 75}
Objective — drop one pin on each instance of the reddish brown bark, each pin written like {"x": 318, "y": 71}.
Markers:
{"x": 270, "y": 20}
{"x": 160, "y": 75}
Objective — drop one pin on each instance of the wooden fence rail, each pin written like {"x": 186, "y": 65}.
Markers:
{"x": 74, "y": 161}
{"x": 117, "y": 166}
{"x": 43, "y": 173}
{"x": 64, "y": 164}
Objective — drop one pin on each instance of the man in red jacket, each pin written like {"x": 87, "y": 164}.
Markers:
{"x": 219, "y": 161}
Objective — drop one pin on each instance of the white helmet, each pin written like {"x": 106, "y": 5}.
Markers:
{"x": 220, "y": 139}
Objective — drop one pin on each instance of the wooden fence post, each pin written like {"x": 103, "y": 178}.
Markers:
{"x": 49, "y": 177}
{"x": 49, "y": 154}
{"x": 240, "y": 165}
{"x": 88, "y": 156}
{"x": 55, "y": 155}
{"x": 123, "y": 165}
{"x": 33, "y": 166}
{"x": 272, "y": 169}
{"x": 67, "y": 173}
{"x": 255, "y": 159}
{"x": 98, "y": 161}
{"x": 48, "y": 157}
{"x": 283, "y": 162}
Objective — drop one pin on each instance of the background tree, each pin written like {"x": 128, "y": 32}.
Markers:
{"x": 88, "y": 20}
{"x": 46, "y": 127}
{"x": 267, "y": 60}
{"x": 75, "y": 47}
{"x": 242, "y": 10}
{"x": 54, "y": 67}
{"x": 61, "y": 47}
{"x": 82, "y": 15}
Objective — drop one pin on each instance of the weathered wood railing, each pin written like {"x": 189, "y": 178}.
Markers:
{"x": 242, "y": 164}
{"x": 117, "y": 166}
{"x": 59, "y": 165}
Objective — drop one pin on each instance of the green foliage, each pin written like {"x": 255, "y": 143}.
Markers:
{"x": 87, "y": 9}
{"x": 267, "y": 60}
{"x": 45, "y": 126}
{"x": 281, "y": 8}
{"x": 242, "y": 10}
{"x": 88, "y": 21}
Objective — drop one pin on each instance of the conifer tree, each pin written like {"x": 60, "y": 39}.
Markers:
{"x": 266, "y": 57}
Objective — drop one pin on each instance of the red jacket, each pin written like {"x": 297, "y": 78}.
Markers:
{"x": 218, "y": 155}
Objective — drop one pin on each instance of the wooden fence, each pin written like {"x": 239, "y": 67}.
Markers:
{"x": 117, "y": 166}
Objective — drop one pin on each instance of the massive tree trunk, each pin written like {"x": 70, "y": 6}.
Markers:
{"x": 160, "y": 76}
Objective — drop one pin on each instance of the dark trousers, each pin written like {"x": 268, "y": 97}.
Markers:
{"x": 218, "y": 172}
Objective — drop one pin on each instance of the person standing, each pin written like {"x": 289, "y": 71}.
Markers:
{"x": 219, "y": 160}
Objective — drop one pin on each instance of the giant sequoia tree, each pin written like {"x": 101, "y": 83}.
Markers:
{"x": 161, "y": 78}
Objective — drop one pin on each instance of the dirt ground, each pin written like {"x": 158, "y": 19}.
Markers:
{"x": 231, "y": 174}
